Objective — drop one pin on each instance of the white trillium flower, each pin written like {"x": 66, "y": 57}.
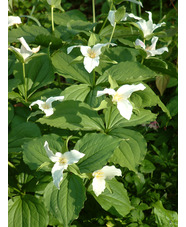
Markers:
{"x": 106, "y": 173}
{"x": 47, "y": 105}
{"x": 25, "y": 50}
{"x": 111, "y": 17}
{"x": 151, "y": 50}
{"x": 148, "y": 27}
{"x": 13, "y": 20}
{"x": 91, "y": 55}
{"x": 121, "y": 97}
{"x": 61, "y": 162}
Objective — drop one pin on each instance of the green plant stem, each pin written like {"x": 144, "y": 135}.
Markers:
{"x": 94, "y": 78}
{"x": 105, "y": 19}
{"x": 107, "y": 127}
{"x": 52, "y": 17}
{"x": 139, "y": 10}
{"x": 161, "y": 6}
{"x": 112, "y": 34}
{"x": 142, "y": 60}
{"x": 24, "y": 78}
{"x": 94, "y": 14}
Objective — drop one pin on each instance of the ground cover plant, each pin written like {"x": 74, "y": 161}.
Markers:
{"x": 92, "y": 113}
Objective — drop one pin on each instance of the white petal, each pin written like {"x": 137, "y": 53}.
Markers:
{"x": 97, "y": 48}
{"x": 145, "y": 26}
{"x": 13, "y": 20}
{"x": 150, "y": 15}
{"x": 73, "y": 156}
{"x": 48, "y": 112}
{"x": 131, "y": 15}
{"x": 126, "y": 90}
{"x": 155, "y": 26}
{"x": 138, "y": 42}
{"x": 53, "y": 158}
{"x": 24, "y": 44}
{"x": 69, "y": 49}
{"x": 38, "y": 102}
{"x": 15, "y": 49}
{"x": 90, "y": 63}
{"x": 50, "y": 100}
{"x": 36, "y": 49}
{"x": 98, "y": 185}
{"x": 157, "y": 52}
{"x": 109, "y": 91}
{"x": 84, "y": 50}
{"x": 125, "y": 109}
{"x": 110, "y": 172}
{"x": 153, "y": 42}
{"x": 111, "y": 17}
{"x": 57, "y": 174}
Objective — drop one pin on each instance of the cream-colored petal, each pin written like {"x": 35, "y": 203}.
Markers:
{"x": 126, "y": 90}
{"x": 98, "y": 185}
{"x": 110, "y": 172}
{"x": 85, "y": 50}
{"x": 38, "y": 102}
{"x": 90, "y": 63}
{"x": 109, "y": 91}
{"x": 125, "y": 109}
{"x": 13, "y": 20}
{"x": 57, "y": 174}
{"x": 73, "y": 156}
{"x": 53, "y": 157}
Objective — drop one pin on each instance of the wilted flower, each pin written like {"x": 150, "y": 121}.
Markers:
{"x": 106, "y": 173}
{"x": 121, "y": 97}
{"x": 61, "y": 162}
{"x": 25, "y": 50}
{"x": 148, "y": 27}
{"x": 13, "y": 20}
{"x": 91, "y": 55}
{"x": 47, "y": 105}
{"x": 151, "y": 50}
{"x": 154, "y": 125}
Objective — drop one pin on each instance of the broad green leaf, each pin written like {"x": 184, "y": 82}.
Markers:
{"x": 164, "y": 217}
{"x": 11, "y": 62}
{"x": 147, "y": 166}
{"x": 64, "y": 18}
{"x": 120, "y": 13}
{"x": 94, "y": 38}
{"x": 74, "y": 115}
{"x": 131, "y": 150}
{"x": 61, "y": 62}
{"x": 27, "y": 211}
{"x": 127, "y": 72}
{"x": 97, "y": 149}
{"x": 28, "y": 32}
{"x": 39, "y": 72}
{"x": 55, "y": 4}
{"x": 15, "y": 96}
{"x": 10, "y": 112}
{"x": 66, "y": 203}
{"x": 142, "y": 116}
{"x": 91, "y": 98}
{"x": 21, "y": 134}
{"x": 161, "y": 83}
{"x": 117, "y": 202}
{"x": 34, "y": 153}
{"x": 147, "y": 98}
{"x": 13, "y": 83}
{"x": 172, "y": 106}
{"x": 76, "y": 92}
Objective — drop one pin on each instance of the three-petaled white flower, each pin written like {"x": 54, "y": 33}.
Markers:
{"x": 111, "y": 17}
{"x": 25, "y": 51}
{"x": 121, "y": 97}
{"x": 106, "y": 173}
{"x": 151, "y": 50}
{"x": 47, "y": 105}
{"x": 91, "y": 55}
{"x": 13, "y": 20}
{"x": 61, "y": 162}
{"x": 148, "y": 27}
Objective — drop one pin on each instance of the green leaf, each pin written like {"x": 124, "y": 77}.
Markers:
{"x": 142, "y": 116}
{"x": 164, "y": 217}
{"x": 131, "y": 150}
{"x": 13, "y": 83}
{"x": 10, "y": 112}
{"x": 21, "y": 134}
{"x": 27, "y": 211}
{"x": 74, "y": 115}
{"x": 61, "y": 63}
{"x": 76, "y": 92}
{"x": 117, "y": 202}
{"x": 28, "y": 32}
{"x": 161, "y": 83}
{"x": 134, "y": 72}
{"x": 120, "y": 13}
{"x": 172, "y": 106}
{"x": 92, "y": 98}
{"x": 66, "y": 203}
{"x": 34, "y": 153}
{"x": 147, "y": 166}
{"x": 93, "y": 39}
{"x": 97, "y": 149}
{"x": 39, "y": 72}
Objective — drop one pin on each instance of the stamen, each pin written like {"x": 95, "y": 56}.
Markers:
{"x": 99, "y": 174}
{"x": 91, "y": 54}
{"x": 117, "y": 97}
{"x": 62, "y": 160}
{"x": 45, "y": 106}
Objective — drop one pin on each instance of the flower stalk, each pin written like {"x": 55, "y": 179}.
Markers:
{"x": 112, "y": 33}
{"x": 94, "y": 14}
{"x": 52, "y": 17}
{"x": 24, "y": 79}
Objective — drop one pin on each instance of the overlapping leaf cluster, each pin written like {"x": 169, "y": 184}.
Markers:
{"x": 87, "y": 123}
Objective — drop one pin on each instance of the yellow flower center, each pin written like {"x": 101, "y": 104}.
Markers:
{"x": 99, "y": 174}
{"x": 91, "y": 53}
{"x": 62, "y": 160}
{"x": 117, "y": 97}
{"x": 45, "y": 106}
{"x": 148, "y": 48}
